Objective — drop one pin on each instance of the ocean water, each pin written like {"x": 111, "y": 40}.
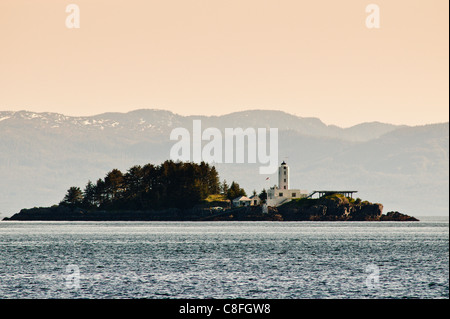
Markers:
{"x": 224, "y": 259}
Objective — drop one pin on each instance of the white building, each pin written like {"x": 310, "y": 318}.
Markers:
{"x": 255, "y": 200}
{"x": 281, "y": 194}
{"x": 241, "y": 201}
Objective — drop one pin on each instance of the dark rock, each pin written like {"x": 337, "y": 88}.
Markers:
{"x": 396, "y": 216}
{"x": 338, "y": 208}
{"x": 366, "y": 212}
{"x": 330, "y": 208}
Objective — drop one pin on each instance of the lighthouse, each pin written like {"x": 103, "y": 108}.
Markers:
{"x": 280, "y": 194}
{"x": 283, "y": 176}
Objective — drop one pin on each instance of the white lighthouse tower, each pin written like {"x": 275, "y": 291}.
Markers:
{"x": 283, "y": 176}
{"x": 280, "y": 194}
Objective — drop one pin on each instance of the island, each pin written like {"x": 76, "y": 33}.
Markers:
{"x": 177, "y": 191}
{"x": 331, "y": 208}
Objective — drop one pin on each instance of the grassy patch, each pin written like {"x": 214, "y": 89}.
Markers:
{"x": 216, "y": 198}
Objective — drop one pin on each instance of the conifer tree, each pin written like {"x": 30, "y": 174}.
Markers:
{"x": 74, "y": 196}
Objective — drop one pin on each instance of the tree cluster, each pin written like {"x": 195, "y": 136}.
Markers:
{"x": 234, "y": 191}
{"x": 169, "y": 185}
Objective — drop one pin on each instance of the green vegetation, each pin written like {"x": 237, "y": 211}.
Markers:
{"x": 308, "y": 202}
{"x": 339, "y": 198}
{"x": 215, "y": 198}
{"x": 73, "y": 197}
{"x": 169, "y": 185}
{"x": 263, "y": 196}
{"x": 336, "y": 197}
{"x": 235, "y": 191}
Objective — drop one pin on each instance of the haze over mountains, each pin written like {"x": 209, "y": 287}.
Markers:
{"x": 405, "y": 168}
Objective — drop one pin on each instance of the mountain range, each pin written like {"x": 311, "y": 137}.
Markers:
{"x": 406, "y": 168}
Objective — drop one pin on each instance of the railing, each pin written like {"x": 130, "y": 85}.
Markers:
{"x": 311, "y": 194}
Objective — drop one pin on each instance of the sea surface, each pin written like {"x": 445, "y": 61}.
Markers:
{"x": 225, "y": 259}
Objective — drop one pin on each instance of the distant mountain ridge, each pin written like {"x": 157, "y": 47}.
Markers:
{"x": 160, "y": 121}
{"x": 403, "y": 167}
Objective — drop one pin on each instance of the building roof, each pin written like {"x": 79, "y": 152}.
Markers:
{"x": 241, "y": 198}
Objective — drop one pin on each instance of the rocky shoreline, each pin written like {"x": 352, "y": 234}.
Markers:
{"x": 338, "y": 208}
{"x": 331, "y": 208}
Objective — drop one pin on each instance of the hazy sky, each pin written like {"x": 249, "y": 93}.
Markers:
{"x": 309, "y": 58}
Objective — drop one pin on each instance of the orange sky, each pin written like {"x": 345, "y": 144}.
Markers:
{"x": 309, "y": 58}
